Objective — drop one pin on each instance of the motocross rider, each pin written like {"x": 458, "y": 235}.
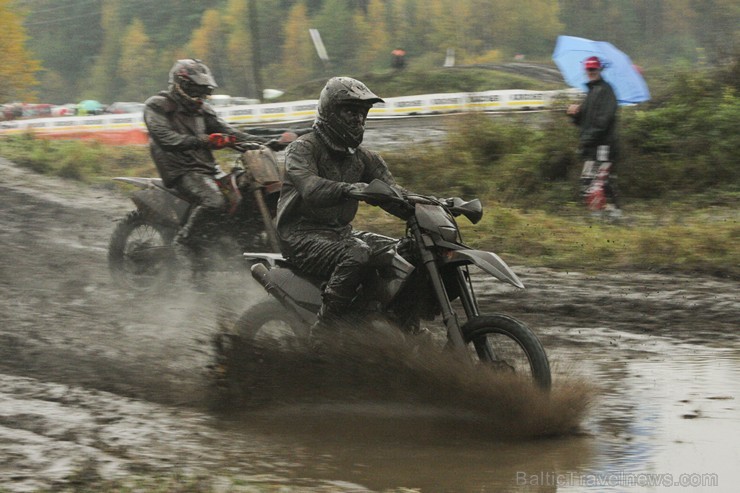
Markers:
{"x": 183, "y": 130}
{"x": 315, "y": 209}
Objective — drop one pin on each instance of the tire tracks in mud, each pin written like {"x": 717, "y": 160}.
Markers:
{"x": 82, "y": 363}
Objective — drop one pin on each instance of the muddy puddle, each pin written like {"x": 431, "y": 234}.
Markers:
{"x": 98, "y": 385}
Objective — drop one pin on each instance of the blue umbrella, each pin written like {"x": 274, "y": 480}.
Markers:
{"x": 619, "y": 71}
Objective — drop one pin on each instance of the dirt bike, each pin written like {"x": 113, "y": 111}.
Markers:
{"x": 402, "y": 293}
{"x": 140, "y": 253}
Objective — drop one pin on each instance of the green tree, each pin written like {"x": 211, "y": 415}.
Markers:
{"x": 18, "y": 68}
{"x": 135, "y": 72}
{"x": 208, "y": 44}
{"x": 717, "y": 29}
{"x": 373, "y": 39}
{"x": 536, "y": 26}
{"x": 298, "y": 53}
{"x": 336, "y": 26}
{"x": 102, "y": 84}
{"x": 239, "y": 69}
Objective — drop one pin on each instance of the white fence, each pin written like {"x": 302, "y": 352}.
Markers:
{"x": 427, "y": 104}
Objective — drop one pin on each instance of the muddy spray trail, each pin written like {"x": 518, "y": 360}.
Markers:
{"x": 98, "y": 383}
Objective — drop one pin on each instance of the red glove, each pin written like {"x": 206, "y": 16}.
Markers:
{"x": 287, "y": 137}
{"x": 219, "y": 141}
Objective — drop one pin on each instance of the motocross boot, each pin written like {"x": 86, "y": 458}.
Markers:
{"x": 189, "y": 252}
{"x": 330, "y": 321}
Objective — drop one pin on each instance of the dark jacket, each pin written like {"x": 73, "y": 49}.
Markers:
{"x": 178, "y": 136}
{"x": 597, "y": 118}
{"x": 317, "y": 179}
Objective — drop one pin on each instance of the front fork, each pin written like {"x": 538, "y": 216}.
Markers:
{"x": 483, "y": 347}
{"x": 452, "y": 324}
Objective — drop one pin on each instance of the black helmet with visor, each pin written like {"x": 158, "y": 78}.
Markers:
{"x": 192, "y": 79}
{"x": 338, "y": 92}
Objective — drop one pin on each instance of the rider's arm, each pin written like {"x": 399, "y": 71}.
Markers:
{"x": 217, "y": 125}
{"x": 376, "y": 168}
{"x": 301, "y": 167}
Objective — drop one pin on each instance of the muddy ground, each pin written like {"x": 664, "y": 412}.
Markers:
{"x": 98, "y": 381}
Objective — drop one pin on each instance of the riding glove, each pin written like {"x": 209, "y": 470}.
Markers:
{"x": 219, "y": 141}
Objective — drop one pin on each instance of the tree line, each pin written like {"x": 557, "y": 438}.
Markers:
{"x": 118, "y": 50}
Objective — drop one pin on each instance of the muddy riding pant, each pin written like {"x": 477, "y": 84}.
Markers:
{"x": 200, "y": 189}
{"x": 344, "y": 258}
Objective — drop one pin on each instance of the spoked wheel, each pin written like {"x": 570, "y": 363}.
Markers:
{"x": 269, "y": 323}
{"x": 140, "y": 254}
{"x": 264, "y": 341}
{"x": 508, "y": 345}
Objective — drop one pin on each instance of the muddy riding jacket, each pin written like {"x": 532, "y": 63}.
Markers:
{"x": 178, "y": 136}
{"x": 597, "y": 119}
{"x": 314, "y": 196}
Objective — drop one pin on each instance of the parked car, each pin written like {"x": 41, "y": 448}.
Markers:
{"x": 36, "y": 110}
{"x": 125, "y": 107}
{"x": 64, "y": 110}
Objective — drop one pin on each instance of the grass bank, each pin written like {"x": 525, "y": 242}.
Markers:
{"x": 679, "y": 177}
{"x": 688, "y": 234}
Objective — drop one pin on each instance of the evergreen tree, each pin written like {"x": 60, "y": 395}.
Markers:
{"x": 336, "y": 26}
{"x": 374, "y": 42}
{"x": 18, "y": 68}
{"x": 102, "y": 84}
{"x": 208, "y": 44}
{"x": 298, "y": 52}
{"x": 239, "y": 69}
{"x": 134, "y": 66}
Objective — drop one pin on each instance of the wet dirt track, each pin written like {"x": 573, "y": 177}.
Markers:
{"x": 97, "y": 382}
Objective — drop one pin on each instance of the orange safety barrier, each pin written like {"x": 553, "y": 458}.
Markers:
{"x": 110, "y": 137}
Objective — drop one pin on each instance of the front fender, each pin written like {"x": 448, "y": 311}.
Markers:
{"x": 489, "y": 262}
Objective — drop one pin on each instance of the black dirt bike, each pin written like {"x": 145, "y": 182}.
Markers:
{"x": 140, "y": 252}
{"x": 404, "y": 292}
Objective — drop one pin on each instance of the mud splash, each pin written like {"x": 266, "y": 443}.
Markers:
{"x": 397, "y": 385}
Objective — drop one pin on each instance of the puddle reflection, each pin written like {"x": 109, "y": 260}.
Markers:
{"x": 661, "y": 408}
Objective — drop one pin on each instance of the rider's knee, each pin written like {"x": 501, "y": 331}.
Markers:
{"x": 214, "y": 202}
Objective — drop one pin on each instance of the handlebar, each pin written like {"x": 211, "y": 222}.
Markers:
{"x": 379, "y": 192}
{"x": 274, "y": 144}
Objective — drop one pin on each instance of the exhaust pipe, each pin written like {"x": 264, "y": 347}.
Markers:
{"x": 261, "y": 274}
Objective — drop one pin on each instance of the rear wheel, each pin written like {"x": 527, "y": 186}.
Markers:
{"x": 140, "y": 254}
{"x": 268, "y": 322}
{"x": 506, "y": 344}
{"x": 261, "y": 343}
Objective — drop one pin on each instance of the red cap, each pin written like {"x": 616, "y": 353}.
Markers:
{"x": 592, "y": 62}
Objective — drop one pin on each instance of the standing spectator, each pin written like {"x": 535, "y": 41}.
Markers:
{"x": 596, "y": 117}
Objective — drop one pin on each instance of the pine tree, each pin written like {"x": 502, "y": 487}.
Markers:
{"x": 298, "y": 52}
{"x": 208, "y": 44}
{"x": 18, "y": 68}
{"x": 134, "y": 66}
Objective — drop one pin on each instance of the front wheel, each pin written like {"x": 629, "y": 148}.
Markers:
{"x": 140, "y": 253}
{"x": 509, "y": 345}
